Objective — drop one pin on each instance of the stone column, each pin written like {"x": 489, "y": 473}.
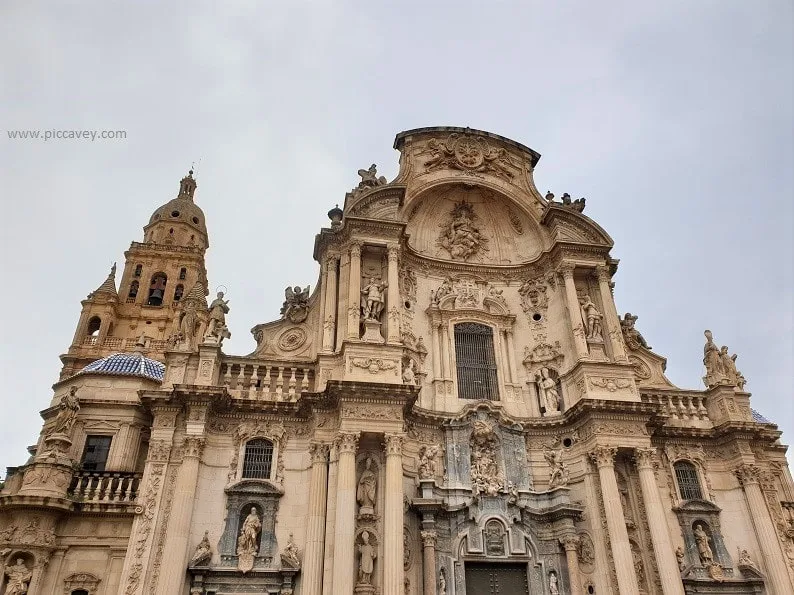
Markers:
{"x": 437, "y": 370}
{"x": 120, "y": 457}
{"x": 177, "y": 548}
{"x": 329, "y": 323}
{"x": 393, "y": 517}
{"x": 429, "y": 562}
{"x": 776, "y": 571}
{"x": 604, "y": 458}
{"x": 315, "y": 530}
{"x": 511, "y": 355}
{"x": 345, "y": 524}
{"x": 393, "y": 295}
{"x": 354, "y": 292}
{"x": 330, "y": 521}
{"x": 343, "y": 288}
{"x": 657, "y": 523}
{"x": 571, "y": 543}
{"x": 579, "y": 339}
{"x": 611, "y": 316}
{"x": 446, "y": 360}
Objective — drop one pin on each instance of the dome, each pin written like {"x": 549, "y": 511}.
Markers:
{"x": 127, "y": 364}
{"x": 180, "y": 210}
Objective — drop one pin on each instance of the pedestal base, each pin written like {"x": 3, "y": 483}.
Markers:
{"x": 372, "y": 332}
{"x": 364, "y": 589}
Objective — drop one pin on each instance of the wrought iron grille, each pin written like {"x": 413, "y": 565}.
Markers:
{"x": 688, "y": 484}
{"x": 476, "y": 362}
{"x": 258, "y": 459}
{"x": 95, "y": 454}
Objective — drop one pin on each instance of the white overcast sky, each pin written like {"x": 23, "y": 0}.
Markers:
{"x": 674, "y": 118}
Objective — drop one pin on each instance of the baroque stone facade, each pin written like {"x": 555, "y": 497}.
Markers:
{"x": 455, "y": 405}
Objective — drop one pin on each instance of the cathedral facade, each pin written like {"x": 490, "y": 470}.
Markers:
{"x": 456, "y": 408}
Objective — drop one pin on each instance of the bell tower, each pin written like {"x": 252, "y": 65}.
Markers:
{"x": 158, "y": 273}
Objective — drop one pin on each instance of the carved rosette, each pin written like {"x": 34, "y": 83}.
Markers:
{"x": 603, "y": 456}
{"x": 394, "y": 444}
{"x": 319, "y": 453}
{"x": 429, "y": 538}
{"x": 347, "y": 442}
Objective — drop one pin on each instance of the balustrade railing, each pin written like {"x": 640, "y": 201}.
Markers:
{"x": 277, "y": 381}
{"x": 105, "y": 487}
{"x": 680, "y": 406}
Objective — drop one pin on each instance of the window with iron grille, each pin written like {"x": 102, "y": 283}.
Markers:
{"x": 688, "y": 483}
{"x": 95, "y": 453}
{"x": 476, "y": 362}
{"x": 258, "y": 459}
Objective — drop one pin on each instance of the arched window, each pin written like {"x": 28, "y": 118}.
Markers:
{"x": 180, "y": 289}
{"x": 138, "y": 269}
{"x": 476, "y": 362}
{"x": 157, "y": 289}
{"x": 686, "y": 474}
{"x": 258, "y": 459}
{"x": 133, "y": 290}
{"x": 93, "y": 326}
{"x": 182, "y": 274}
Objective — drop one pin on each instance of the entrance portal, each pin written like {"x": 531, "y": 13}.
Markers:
{"x": 483, "y": 578}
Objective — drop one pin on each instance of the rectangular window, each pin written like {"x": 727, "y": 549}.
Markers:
{"x": 95, "y": 454}
{"x": 688, "y": 483}
{"x": 258, "y": 459}
{"x": 476, "y": 362}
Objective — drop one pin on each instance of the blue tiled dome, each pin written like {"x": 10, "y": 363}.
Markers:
{"x": 127, "y": 364}
{"x": 757, "y": 417}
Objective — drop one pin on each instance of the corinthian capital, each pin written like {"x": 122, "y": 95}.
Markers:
{"x": 394, "y": 444}
{"x": 347, "y": 442}
{"x": 429, "y": 538}
{"x": 566, "y": 270}
{"x": 604, "y": 456}
{"x": 645, "y": 457}
{"x": 319, "y": 452}
{"x": 355, "y": 249}
{"x": 394, "y": 252}
{"x": 193, "y": 446}
{"x": 748, "y": 474}
{"x": 570, "y": 542}
{"x": 602, "y": 272}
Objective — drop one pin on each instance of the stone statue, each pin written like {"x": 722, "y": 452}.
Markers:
{"x": 18, "y": 578}
{"x": 367, "y": 561}
{"x": 715, "y": 372}
{"x": 203, "y": 553}
{"x": 679, "y": 556}
{"x": 188, "y": 324}
{"x": 409, "y": 374}
{"x": 558, "y": 475}
{"x": 460, "y": 236}
{"x": 554, "y": 588}
{"x": 366, "y": 494}
{"x": 732, "y": 375}
{"x": 591, "y": 317}
{"x": 442, "y": 582}
{"x": 291, "y": 555}
{"x": 550, "y": 397}
{"x": 586, "y": 549}
{"x": 296, "y": 304}
{"x": 68, "y": 408}
{"x": 631, "y": 335}
{"x": 370, "y": 177}
{"x": 246, "y": 542}
{"x": 217, "y": 329}
{"x": 486, "y": 476}
{"x": 745, "y": 560}
{"x": 373, "y": 299}
{"x": 576, "y": 205}
{"x": 704, "y": 549}
{"x": 427, "y": 462}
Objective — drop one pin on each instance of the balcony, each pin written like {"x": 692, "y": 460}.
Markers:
{"x": 105, "y": 490}
{"x": 682, "y": 409}
{"x": 265, "y": 380}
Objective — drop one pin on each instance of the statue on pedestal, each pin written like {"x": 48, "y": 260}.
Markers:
{"x": 558, "y": 475}
{"x": 296, "y": 304}
{"x": 550, "y": 397}
{"x": 247, "y": 547}
{"x": 591, "y": 318}
{"x": 68, "y": 408}
{"x": 715, "y": 372}
{"x": 704, "y": 549}
{"x": 373, "y": 301}
{"x": 366, "y": 494}
{"x": 217, "y": 329}
{"x": 203, "y": 552}
{"x": 290, "y": 557}
{"x": 366, "y": 564}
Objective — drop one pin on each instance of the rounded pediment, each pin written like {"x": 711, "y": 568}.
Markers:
{"x": 472, "y": 224}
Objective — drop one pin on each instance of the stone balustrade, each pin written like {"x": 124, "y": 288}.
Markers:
{"x": 679, "y": 407}
{"x": 121, "y": 344}
{"x": 274, "y": 381}
{"x": 105, "y": 487}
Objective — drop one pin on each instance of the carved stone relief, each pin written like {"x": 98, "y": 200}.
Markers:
{"x": 460, "y": 235}
{"x": 468, "y": 153}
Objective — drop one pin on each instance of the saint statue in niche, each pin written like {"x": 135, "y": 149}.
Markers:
{"x": 704, "y": 549}
{"x": 249, "y": 533}
{"x": 18, "y": 578}
{"x": 366, "y": 494}
{"x": 373, "y": 299}
{"x": 591, "y": 318}
{"x": 367, "y": 561}
{"x": 461, "y": 237}
{"x": 550, "y": 395}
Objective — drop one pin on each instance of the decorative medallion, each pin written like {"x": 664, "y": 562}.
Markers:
{"x": 468, "y": 153}
{"x": 641, "y": 369}
{"x": 292, "y": 339}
